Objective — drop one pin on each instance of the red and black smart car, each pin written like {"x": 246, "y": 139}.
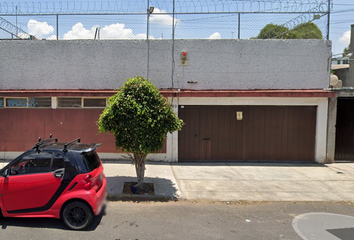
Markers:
{"x": 56, "y": 180}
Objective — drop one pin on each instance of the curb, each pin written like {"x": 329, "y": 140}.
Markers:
{"x": 140, "y": 198}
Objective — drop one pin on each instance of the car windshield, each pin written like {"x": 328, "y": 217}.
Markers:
{"x": 91, "y": 161}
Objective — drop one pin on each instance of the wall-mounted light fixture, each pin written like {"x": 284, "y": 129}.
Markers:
{"x": 316, "y": 16}
{"x": 151, "y": 10}
{"x": 184, "y": 58}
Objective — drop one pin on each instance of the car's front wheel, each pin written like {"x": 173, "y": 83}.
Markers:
{"x": 77, "y": 215}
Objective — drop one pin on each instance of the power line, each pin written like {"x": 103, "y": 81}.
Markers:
{"x": 350, "y": 21}
{"x": 342, "y": 11}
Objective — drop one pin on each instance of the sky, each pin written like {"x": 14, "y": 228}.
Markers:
{"x": 212, "y": 26}
{"x": 342, "y": 17}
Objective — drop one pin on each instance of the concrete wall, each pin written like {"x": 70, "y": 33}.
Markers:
{"x": 342, "y": 74}
{"x": 350, "y": 75}
{"x": 215, "y": 64}
{"x": 331, "y": 129}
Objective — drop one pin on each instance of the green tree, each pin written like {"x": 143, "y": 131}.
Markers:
{"x": 345, "y": 51}
{"x": 139, "y": 118}
{"x": 307, "y": 31}
{"x": 272, "y": 31}
{"x": 303, "y": 31}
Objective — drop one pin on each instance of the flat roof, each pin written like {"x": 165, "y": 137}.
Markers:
{"x": 339, "y": 66}
{"x": 172, "y": 93}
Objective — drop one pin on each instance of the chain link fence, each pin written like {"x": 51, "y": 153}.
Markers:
{"x": 160, "y": 19}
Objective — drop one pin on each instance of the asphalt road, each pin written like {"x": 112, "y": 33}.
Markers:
{"x": 186, "y": 220}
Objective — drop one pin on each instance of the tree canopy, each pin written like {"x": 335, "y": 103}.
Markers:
{"x": 139, "y": 117}
{"x": 272, "y": 31}
{"x": 303, "y": 31}
{"x": 346, "y": 51}
{"x": 307, "y": 31}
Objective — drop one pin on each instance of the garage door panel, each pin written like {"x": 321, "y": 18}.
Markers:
{"x": 264, "y": 133}
{"x": 215, "y": 128}
{"x": 275, "y": 131}
{"x": 190, "y": 140}
{"x": 306, "y": 139}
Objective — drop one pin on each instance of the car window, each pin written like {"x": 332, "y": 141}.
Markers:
{"x": 32, "y": 163}
{"x": 58, "y": 161}
{"x": 91, "y": 161}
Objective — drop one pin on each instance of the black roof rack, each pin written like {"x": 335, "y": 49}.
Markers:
{"x": 40, "y": 142}
{"x": 71, "y": 142}
{"x": 92, "y": 148}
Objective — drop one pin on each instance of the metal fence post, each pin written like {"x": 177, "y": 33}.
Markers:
{"x": 173, "y": 44}
{"x": 57, "y": 19}
{"x": 147, "y": 37}
{"x": 239, "y": 26}
{"x": 328, "y": 18}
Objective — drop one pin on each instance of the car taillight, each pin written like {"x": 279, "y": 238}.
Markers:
{"x": 88, "y": 180}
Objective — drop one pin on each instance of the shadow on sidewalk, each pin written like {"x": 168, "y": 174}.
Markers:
{"x": 165, "y": 189}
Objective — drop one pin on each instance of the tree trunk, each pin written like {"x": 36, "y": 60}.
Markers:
{"x": 139, "y": 161}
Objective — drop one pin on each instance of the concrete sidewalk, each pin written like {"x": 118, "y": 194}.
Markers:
{"x": 227, "y": 181}
{"x": 240, "y": 181}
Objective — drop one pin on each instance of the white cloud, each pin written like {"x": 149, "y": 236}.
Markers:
{"x": 161, "y": 17}
{"x": 118, "y": 31}
{"x": 78, "y": 31}
{"x": 23, "y": 35}
{"x": 39, "y": 29}
{"x": 113, "y": 31}
{"x": 215, "y": 35}
{"x": 345, "y": 39}
{"x": 52, "y": 37}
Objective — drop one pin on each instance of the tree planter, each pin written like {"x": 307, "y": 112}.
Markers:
{"x": 130, "y": 188}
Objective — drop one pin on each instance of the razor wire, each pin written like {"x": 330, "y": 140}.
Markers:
{"x": 171, "y": 19}
{"x": 181, "y": 6}
{"x": 12, "y": 29}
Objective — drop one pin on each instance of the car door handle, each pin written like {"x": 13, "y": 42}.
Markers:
{"x": 58, "y": 173}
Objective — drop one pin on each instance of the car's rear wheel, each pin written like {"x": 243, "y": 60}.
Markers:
{"x": 77, "y": 215}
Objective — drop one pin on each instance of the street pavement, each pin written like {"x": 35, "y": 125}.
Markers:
{"x": 230, "y": 181}
{"x": 198, "y": 220}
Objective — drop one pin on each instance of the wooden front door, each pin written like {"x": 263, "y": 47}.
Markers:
{"x": 345, "y": 130}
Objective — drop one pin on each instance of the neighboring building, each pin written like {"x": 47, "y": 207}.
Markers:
{"x": 261, "y": 100}
{"x": 340, "y": 61}
{"x": 341, "y": 114}
{"x": 341, "y": 71}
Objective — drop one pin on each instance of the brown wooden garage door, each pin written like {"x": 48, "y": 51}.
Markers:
{"x": 247, "y": 133}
